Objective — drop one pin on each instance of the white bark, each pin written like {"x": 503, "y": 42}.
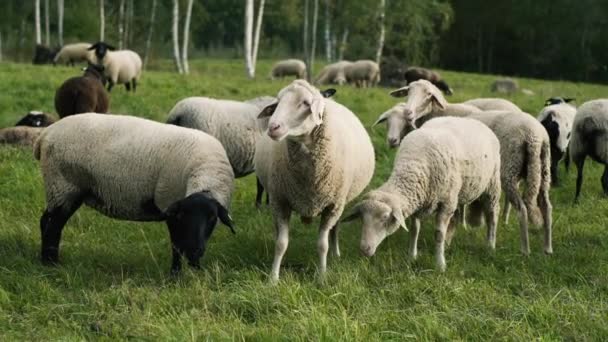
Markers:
{"x": 313, "y": 43}
{"x": 381, "y": 11}
{"x": 248, "y": 34}
{"x": 343, "y": 45}
{"x": 47, "y": 25}
{"x": 258, "y": 28}
{"x": 306, "y": 54}
{"x": 121, "y": 25}
{"x": 102, "y": 20}
{"x": 186, "y": 38}
{"x": 175, "y": 31}
{"x": 37, "y": 21}
{"x": 150, "y": 32}
{"x": 129, "y": 24}
{"x": 328, "y": 49}
{"x": 60, "y": 22}
{"x": 0, "y": 46}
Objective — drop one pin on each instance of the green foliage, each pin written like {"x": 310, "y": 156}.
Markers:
{"x": 113, "y": 282}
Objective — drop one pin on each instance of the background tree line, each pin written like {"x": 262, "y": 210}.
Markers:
{"x": 556, "y": 39}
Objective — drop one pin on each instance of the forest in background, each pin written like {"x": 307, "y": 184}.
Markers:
{"x": 552, "y": 39}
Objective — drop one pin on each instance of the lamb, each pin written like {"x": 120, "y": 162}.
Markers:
{"x": 288, "y": 67}
{"x": 505, "y": 85}
{"x": 36, "y": 119}
{"x": 83, "y": 94}
{"x": 233, "y": 123}
{"x": 315, "y": 159}
{"x": 73, "y": 53}
{"x": 333, "y": 73}
{"x": 363, "y": 73}
{"x": 493, "y": 104}
{"x": 525, "y": 153}
{"x": 438, "y": 168}
{"x": 413, "y": 74}
{"x": 589, "y": 134}
{"x": 141, "y": 171}
{"x": 20, "y": 135}
{"x": 557, "y": 120}
{"x": 121, "y": 67}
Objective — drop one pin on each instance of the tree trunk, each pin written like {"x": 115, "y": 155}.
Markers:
{"x": 37, "y": 21}
{"x": 60, "y": 22}
{"x": 343, "y": 45}
{"x": 121, "y": 25}
{"x": 248, "y": 36}
{"x": 102, "y": 20}
{"x": 186, "y": 38}
{"x": 129, "y": 24}
{"x": 47, "y": 25}
{"x": 305, "y": 42}
{"x": 150, "y": 32}
{"x": 313, "y": 43}
{"x": 21, "y": 40}
{"x": 381, "y": 11}
{"x": 328, "y": 49}
{"x": 0, "y": 46}
{"x": 258, "y": 28}
{"x": 175, "y": 31}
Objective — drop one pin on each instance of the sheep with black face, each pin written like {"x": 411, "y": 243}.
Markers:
{"x": 36, "y": 119}
{"x": 120, "y": 67}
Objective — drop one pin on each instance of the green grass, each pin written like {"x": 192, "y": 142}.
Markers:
{"x": 113, "y": 282}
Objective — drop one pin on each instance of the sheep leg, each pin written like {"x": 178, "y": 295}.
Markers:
{"x": 579, "y": 178}
{"x": 605, "y": 180}
{"x": 134, "y": 81}
{"x": 491, "y": 209}
{"x": 259, "y": 193}
{"x": 281, "y": 220}
{"x": 443, "y": 220}
{"x": 110, "y": 84}
{"x": 451, "y": 230}
{"x": 512, "y": 194}
{"x": 333, "y": 238}
{"x": 506, "y": 211}
{"x": 547, "y": 212}
{"x": 128, "y": 86}
{"x": 329, "y": 219}
{"x": 414, "y": 239}
{"x": 567, "y": 159}
{"x": 51, "y": 226}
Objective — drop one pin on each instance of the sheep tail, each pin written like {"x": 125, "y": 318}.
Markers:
{"x": 38, "y": 144}
{"x": 534, "y": 178}
{"x": 475, "y": 213}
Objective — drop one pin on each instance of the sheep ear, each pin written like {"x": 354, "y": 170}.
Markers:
{"x": 569, "y": 99}
{"x": 93, "y": 47}
{"x": 268, "y": 111}
{"x": 383, "y": 117}
{"x": 224, "y": 216}
{"x": 328, "y": 92}
{"x": 354, "y": 214}
{"x": 317, "y": 108}
{"x": 401, "y": 92}
{"x": 398, "y": 215}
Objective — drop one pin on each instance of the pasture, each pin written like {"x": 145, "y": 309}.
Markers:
{"x": 114, "y": 281}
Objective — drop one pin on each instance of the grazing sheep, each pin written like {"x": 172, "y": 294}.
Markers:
{"x": 233, "y": 123}
{"x": 36, "y": 119}
{"x": 438, "y": 168}
{"x": 83, "y": 94}
{"x": 315, "y": 159}
{"x": 505, "y": 85}
{"x": 20, "y": 135}
{"x": 413, "y": 74}
{"x": 120, "y": 67}
{"x": 363, "y": 73}
{"x": 493, "y": 104}
{"x": 73, "y": 53}
{"x": 141, "y": 171}
{"x": 525, "y": 154}
{"x": 333, "y": 73}
{"x": 288, "y": 67}
{"x": 590, "y": 138}
{"x": 44, "y": 54}
{"x": 557, "y": 120}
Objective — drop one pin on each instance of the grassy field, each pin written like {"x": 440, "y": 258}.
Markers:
{"x": 113, "y": 281}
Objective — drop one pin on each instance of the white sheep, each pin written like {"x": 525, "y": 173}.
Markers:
{"x": 590, "y": 138}
{"x": 493, "y": 104}
{"x": 333, "y": 73}
{"x": 505, "y": 85}
{"x": 134, "y": 169}
{"x": 557, "y": 120}
{"x": 19, "y": 135}
{"x": 288, "y": 67}
{"x": 525, "y": 153}
{"x": 73, "y": 53}
{"x": 233, "y": 123}
{"x": 315, "y": 159}
{"x": 363, "y": 73}
{"x": 121, "y": 67}
{"x": 438, "y": 168}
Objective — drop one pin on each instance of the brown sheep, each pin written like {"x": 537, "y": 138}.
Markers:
{"x": 417, "y": 73}
{"x": 83, "y": 94}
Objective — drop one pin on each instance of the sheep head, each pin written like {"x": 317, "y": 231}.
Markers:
{"x": 422, "y": 98}
{"x": 101, "y": 49}
{"x": 298, "y": 110}
{"x": 397, "y": 124}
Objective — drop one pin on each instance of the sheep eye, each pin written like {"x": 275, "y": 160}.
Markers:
{"x": 568, "y": 136}
{"x": 306, "y": 103}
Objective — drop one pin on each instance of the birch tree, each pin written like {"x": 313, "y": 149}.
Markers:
{"x": 60, "y": 22}
{"x": 102, "y": 20}
{"x": 313, "y": 43}
{"x": 305, "y": 37}
{"x": 381, "y": 11}
{"x": 328, "y": 49}
{"x": 258, "y": 27}
{"x": 129, "y": 24}
{"x": 47, "y": 26}
{"x": 343, "y": 43}
{"x": 185, "y": 65}
{"x": 150, "y": 32}
{"x": 248, "y": 34}
{"x": 175, "y": 32}
{"x": 37, "y": 21}
{"x": 0, "y": 46}
{"x": 121, "y": 25}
